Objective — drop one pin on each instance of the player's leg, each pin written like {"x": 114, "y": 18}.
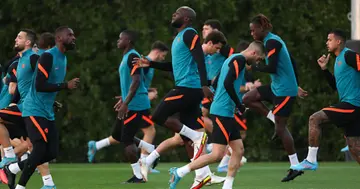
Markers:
{"x": 352, "y": 133}
{"x": 94, "y": 146}
{"x": 46, "y": 176}
{"x": 354, "y": 146}
{"x": 253, "y": 98}
{"x": 234, "y": 164}
{"x": 11, "y": 127}
{"x": 224, "y": 163}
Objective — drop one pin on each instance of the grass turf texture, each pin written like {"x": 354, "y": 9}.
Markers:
{"x": 251, "y": 176}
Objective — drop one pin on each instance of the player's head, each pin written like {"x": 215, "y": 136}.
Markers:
{"x": 260, "y": 25}
{"x": 126, "y": 39}
{"x": 242, "y": 45}
{"x": 213, "y": 42}
{"x": 336, "y": 40}
{"x": 209, "y": 26}
{"x": 46, "y": 41}
{"x": 255, "y": 52}
{"x": 64, "y": 36}
{"x": 160, "y": 50}
{"x": 183, "y": 16}
{"x": 24, "y": 40}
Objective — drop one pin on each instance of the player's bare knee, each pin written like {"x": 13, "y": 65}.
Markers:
{"x": 317, "y": 118}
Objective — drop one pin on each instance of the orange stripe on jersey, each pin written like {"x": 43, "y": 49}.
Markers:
{"x": 201, "y": 122}
{"x": 205, "y": 100}
{"x": 147, "y": 120}
{"x": 10, "y": 112}
{"x": 338, "y": 110}
{"x": 38, "y": 127}
{"x": 134, "y": 69}
{"x": 358, "y": 62}
{"x": 222, "y": 129}
{"x": 241, "y": 123}
{"x": 194, "y": 42}
{"x": 236, "y": 65}
{"x": 43, "y": 70}
{"x": 173, "y": 97}
{"x": 281, "y": 105}
{"x": 271, "y": 53}
{"x": 231, "y": 51}
{"x": 14, "y": 71}
{"x": 129, "y": 119}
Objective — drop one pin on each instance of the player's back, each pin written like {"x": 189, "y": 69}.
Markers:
{"x": 347, "y": 79}
{"x": 223, "y": 105}
{"x": 184, "y": 66}
{"x": 148, "y": 75}
{"x": 284, "y": 80}
{"x": 25, "y": 72}
{"x": 141, "y": 100}
{"x": 41, "y": 103}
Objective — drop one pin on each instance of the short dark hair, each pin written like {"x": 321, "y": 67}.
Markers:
{"x": 242, "y": 45}
{"x": 216, "y": 37}
{"x": 60, "y": 29}
{"x": 263, "y": 21}
{"x": 30, "y": 35}
{"x": 159, "y": 45}
{"x": 132, "y": 35}
{"x": 47, "y": 39}
{"x": 338, "y": 33}
{"x": 215, "y": 24}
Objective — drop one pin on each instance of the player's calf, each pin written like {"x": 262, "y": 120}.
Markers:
{"x": 354, "y": 147}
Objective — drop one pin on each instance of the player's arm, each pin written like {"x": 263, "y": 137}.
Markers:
{"x": 226, "y": 50}
{"x": 164, "y": 66}
{"x": 44, "y": 69}
{"x": 135, "y": 75}
{"x": 235, "y": 67}
{"x": 295, "y": 68}
{"x": 16, "y": 96}
{"x": 13, "y": 80}
{"x": 353, "y": 59}
{"x": 192, "y": 41}
{"x": 330, "y": 79}
{"x": 33, "y": 60}
{"x": 272, "y": 48}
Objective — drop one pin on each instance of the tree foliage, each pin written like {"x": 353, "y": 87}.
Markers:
{"x": 88, "y": 112}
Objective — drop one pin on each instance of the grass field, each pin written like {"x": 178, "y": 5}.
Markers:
{"x": 251, "y": 176}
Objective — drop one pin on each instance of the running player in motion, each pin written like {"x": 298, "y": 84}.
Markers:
{"x": 38, "y": 110}
{"x": 158, "y": 53}
{"x": 345, "y": 114}
{"x": 283, "y": 89}
{"x": 189, "y": 71}
{"x": 226, "y": 131}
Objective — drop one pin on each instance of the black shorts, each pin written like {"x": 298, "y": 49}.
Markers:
{"x": 14, "y": 123}
{"x": 185, "y": 102}
{"x": 241, "y": 121}
{"x": 225, "y": 129}
{"x": 282, "y": 104}
{"x": 125, "y": 130}
{"x": 345, "y": 115}
{"x": 206, "y": 103}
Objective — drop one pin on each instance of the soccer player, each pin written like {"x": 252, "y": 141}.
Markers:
{"x": 283, "y": 89}
{"x": 5, "y": 96}
{"x": 38, "y": 110}
{"x": 226, "y": 131}
{"x": 214, "y": 41}
{"x": 191, "y": 84}
{"x": 345, "y": 114}
{"x": 158, "y": 53}
{"x": 23, "y": 76}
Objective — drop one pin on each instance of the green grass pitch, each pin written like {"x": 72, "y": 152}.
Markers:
{"x": 251, "y": 176}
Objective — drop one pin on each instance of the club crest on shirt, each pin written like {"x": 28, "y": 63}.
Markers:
{"x": 23, "y": 65}
{"x": 339, "y": 63}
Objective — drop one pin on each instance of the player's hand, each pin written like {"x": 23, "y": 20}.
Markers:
{"x": 119, "y": 103}
{"x": 249, "y": 86}
{"x": 208, "y": 93}
{"x": 152, "y": 93}
{"x": 122, "y": 112}
{"x": 257, "y": 83}
{"x": 141, "y": 62}
{"x": 73, "y": 84}
{"x": 302, "y": 93}
{"x": 323, "y": 61}
{"x": 57, "y": 106}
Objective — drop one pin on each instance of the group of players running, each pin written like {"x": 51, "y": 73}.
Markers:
{"x": 191, "y": 109}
